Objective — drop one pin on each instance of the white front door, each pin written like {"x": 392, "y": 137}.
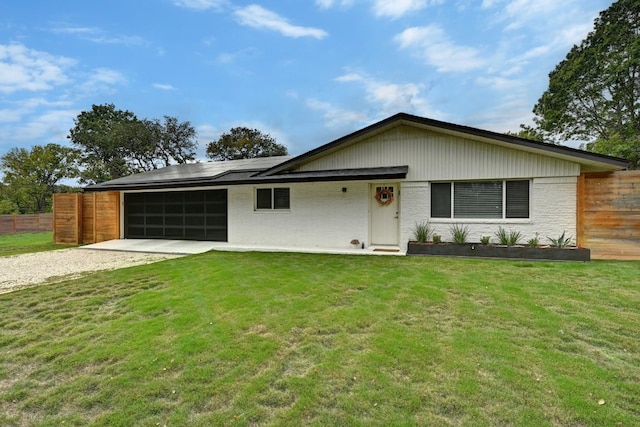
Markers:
{"x": 384, "y": 214}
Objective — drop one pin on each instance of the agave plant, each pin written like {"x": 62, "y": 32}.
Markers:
{"x": 560, "y": 242}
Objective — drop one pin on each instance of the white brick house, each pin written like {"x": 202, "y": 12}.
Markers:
{"x": 372, "y": 185}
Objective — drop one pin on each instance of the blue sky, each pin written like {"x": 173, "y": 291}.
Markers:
{"x": 305, "y": 71}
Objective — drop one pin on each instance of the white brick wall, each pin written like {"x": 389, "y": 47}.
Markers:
{"x": 553, "y": 210}
{"x": 321, "y": 215}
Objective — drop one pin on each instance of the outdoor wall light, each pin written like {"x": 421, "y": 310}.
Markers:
{"x": 344, "y": 189}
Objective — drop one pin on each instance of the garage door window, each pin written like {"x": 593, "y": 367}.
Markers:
{"x": 272, "y": 199}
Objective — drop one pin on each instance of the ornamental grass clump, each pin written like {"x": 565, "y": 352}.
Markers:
{"x": 422, "y": 231}
{"x": 459, "y": 234}
{"x": 508, "y": 238}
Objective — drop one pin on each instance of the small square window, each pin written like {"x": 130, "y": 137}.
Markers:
{"x": 272, "y": 199}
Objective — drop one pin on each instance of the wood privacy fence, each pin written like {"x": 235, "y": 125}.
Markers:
{"x": 609, "y": 214}
{"x": 86, "y": 218}
{"x": 10, "y": 224}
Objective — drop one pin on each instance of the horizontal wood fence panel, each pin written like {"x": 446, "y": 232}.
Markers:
{"x": 107, "y": 216}
{"x": 86, "y": 218}
{"x": 35, "y": 223}
{"x": 609, "y": 217}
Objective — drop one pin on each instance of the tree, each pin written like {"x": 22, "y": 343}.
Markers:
{"x": 528, "y": 132}
{"x": 31, "y": 177}
{"x": 244, "y": 143}
{"x": 593, "y": 94}
{"x": 115, "y": 143}
{"x": 99, "y": 134}
{"x": 7, "y": 205}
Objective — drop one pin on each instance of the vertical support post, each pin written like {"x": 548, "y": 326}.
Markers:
{"x": 94, "y": 222}
{"x": 580, "y": 238}
{"x": 79, "y": 221}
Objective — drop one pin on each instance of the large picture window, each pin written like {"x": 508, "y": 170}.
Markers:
{"x": 480, "y": 199}
{"x": 272, "y": 198}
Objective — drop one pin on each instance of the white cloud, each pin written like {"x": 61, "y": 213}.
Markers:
{"x": 326, "y": 4}
{"x": 570, "y": 35}
{"x": 99, "y": 36}
{"x": 500, "y": 83}
{"x": 388, "y": 98}
{"x": 163, "y": 86}
{"x": 522, "y": 12}
{"x": 100, "y": 80}
{"x": 230, "y": 57}
{"x": 258, "y": 17}
{"x": 486, "y": 4}
{"x": 351, "y": 77}
{"x": 216, "y": 5}
{"x": 434, "y": 46}
{"x": 31, "y": 70}
{"x": 505, "y": 117}
{"x": 398, "y": 8}
{"x": 23, "y": 107}
{"x": 337, "y": 118}
{"x": 47, "y": 126}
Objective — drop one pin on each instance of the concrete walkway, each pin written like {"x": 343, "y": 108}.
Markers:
{"x": 189, "y": 247}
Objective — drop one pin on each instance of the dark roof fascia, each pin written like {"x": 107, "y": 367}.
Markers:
{"x": 394, "y": 172}
{"x": 184, "y": 182}
{"x": 400, "y": 118}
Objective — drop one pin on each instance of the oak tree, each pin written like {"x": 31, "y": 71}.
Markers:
{"x": 594, "y": 93}
{"x": 244, "y": 143}
{"x": 116, "y": 143}
{"x": 30, "y": 177}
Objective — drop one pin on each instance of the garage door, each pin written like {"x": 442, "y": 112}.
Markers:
{"x": 178, "y": 215}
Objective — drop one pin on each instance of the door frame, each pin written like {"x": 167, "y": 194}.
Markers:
{"x": 394, "y": 217}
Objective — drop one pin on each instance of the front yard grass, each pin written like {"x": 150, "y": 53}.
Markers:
{"x": 22, "y": 243}
{"x": 298, "y": 339}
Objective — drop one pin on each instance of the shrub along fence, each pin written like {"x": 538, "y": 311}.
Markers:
{"x": 10, "y": 224}
{"x": 609, "y": 214}
{"x": 86, "y": 218}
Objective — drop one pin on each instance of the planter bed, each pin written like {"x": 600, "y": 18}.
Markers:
{"x": 477, "y": 250}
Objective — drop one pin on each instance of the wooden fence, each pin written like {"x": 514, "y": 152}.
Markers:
{"x": 10, "y": 224}
{"x": 86, "y": 218}
{"x": 609, "y": 214}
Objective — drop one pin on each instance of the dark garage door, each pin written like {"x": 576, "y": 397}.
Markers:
{"x": 177, "y": 215}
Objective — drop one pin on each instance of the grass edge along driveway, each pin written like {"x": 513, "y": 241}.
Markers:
{"x": 298, "y": 339}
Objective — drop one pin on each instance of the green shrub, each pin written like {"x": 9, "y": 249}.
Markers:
{"x": 484, "y": 240}
{"x": 459, "y": 233}
{"x": 437, "y": 239}
{"x": 422, "y": 231}
{"x": 508, "y": 238}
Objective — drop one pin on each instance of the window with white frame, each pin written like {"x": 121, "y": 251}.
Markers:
{"x": 272, "y": 198}
{"x": 480, "y": 199}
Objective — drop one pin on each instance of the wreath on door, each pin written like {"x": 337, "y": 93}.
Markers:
{"x": 384, "y": 196}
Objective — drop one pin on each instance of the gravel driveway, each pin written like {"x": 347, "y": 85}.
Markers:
{"x": 23, "y": 271}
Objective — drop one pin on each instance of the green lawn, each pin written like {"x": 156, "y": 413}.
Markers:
{"x": 22, "y": 243}
{"x": 298, "y": 339}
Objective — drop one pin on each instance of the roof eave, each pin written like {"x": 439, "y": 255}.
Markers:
{"x": 396, "y": 172}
